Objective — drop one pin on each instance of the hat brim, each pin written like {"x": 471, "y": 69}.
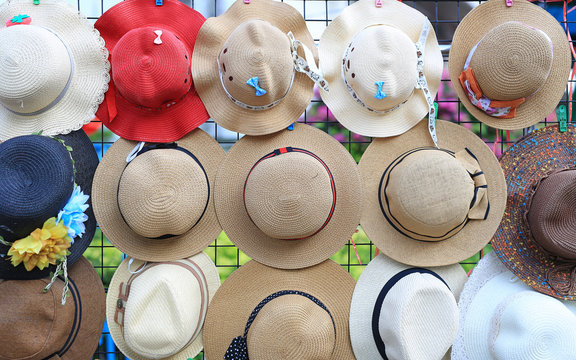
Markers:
{"x": 378, "y": 272}
{"x": 89, "y": 82}
{"x": 109, "y": 216}
{"x": 288, "y": 254}
{"x": 478, "y": 23}
{"x": 527, "y": 161}
{"x": 333, "y": 44}
{"x": 471, "y": 238}
{"x": 206, "y": 76}
{"x": 122, "y": 275}
{"x": 253, "y": 282}
{"x": 165, "y": 125}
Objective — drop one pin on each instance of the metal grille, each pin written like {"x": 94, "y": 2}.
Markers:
{"x": 444, "y": 16}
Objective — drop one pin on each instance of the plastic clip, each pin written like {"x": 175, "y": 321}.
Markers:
{"x": 378, "y": 3}
{"x": 159, "y": 2}
{"x": 36, "y": 2}
{"x": 436, "y": 109}
{"x": 562, "y": 119}
{"x": 509, "y": 3}
{"x": 291, "y": 126}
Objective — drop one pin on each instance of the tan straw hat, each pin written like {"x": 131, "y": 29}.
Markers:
{"x": 383, "y": 65}
{"x": 509, "y": 65}
{"x": 53, "y": 68}
{"x": 157, "y": 310}
{"x": 246, "y": 69}
{"x": 154, "y": 202}
{"x": 290, "y": 199}
{"x": 427, "y": 206}
{"x": 270, "y": 313}
{"x": 35, "y": 325}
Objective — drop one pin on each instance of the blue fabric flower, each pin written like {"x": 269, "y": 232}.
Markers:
{"x": 73, "y": 213}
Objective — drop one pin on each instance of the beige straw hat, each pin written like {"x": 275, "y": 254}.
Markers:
{"x": 246, "y": 69}
{"x": 371, "y": 57}
{"x": 425, "y": 206}
{"x": 402, "y": 312}
{"x": 509, "y": 65}
{"x": 289, "y": 199}
{"x": 155, "y": 202}
{"x": 270, "y": 313}
{"x": 157, "y": 310}
{"x": 53, "y": 68}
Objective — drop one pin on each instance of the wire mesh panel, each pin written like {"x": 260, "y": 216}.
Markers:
{"x": 443, "y": 15}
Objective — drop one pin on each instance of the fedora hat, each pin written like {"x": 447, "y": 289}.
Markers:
{"x": 383, "y": 65}
{"x": 154, "y": 202}
{"x": 403, "y": 312}
{"x": 539, "y": 211}
{"x": 45, "y": 187}
{"x": 503, "y": 318}
{"x": 157, "y": 310}
{"x": 253, "y": 66}
{"x": 36, "y": 324}
{"x": 289, "y": 199}
{"x": 53, "y": 68}
{"x": 428, "y": 206}
{"x": 509, "y": 65}
{"x": 152, "y": 95}
{"x": 267, "y": 313}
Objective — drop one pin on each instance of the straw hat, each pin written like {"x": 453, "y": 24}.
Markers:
{"x": 502, "y": 318}
{"x": 43, "y": 178}
{"x": 509, "y": 65}
{"x": 53, "y": 68}
{"x": 289, "y": 199}
{"x": 246, "y": 68}
{"x": 401, "y": 312}
{"x": 425, "y": 206}
{"x": 539, "y": 211}
{"x": 37, "y": 326}
{"x": 154, "y": 202}
{"x": 281, "y": 314}
{"x": 367, "y": 45}
{"x": 157, "y": 310}
{"x": 152, "y": 96}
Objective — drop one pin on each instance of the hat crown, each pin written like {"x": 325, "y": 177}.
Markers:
{"x": 151, "y": 69}
{"x": 381, "y": 53}
{"x": 512, "y": 61}
{"x": 259, "y": 49}
{"x": 35, "y": 67}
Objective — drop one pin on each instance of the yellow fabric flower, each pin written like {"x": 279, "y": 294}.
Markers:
{"x": 42, "y": 247}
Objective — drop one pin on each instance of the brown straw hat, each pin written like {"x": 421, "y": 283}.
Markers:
{"x": 37, "y": 326}
{"x": 244, "y": 70}
{"x": 290, "y": 199}
{"x": 536, "y": 242}
{"x": 159, "y": 205}
{"x": 512, "y": 62}
{"x": 367, "y": 45}
{"x": 270, "y": 313}
{"x": 427, "y": 206}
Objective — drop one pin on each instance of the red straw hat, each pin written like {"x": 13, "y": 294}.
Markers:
{"x": 152, "y": 96}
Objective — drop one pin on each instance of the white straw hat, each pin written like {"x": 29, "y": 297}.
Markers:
{"x": 503, "y": 318}
{"x": 157, "y": 310}
{"x": 403, "y": 312}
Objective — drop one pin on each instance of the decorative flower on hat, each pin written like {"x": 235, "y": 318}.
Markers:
{"x": 73, "y": 214}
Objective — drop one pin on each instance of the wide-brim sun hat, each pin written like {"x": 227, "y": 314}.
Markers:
{"x": 428, "y": 206}
{"x": 252, "y": 66}
{"x": 514, "y": 61}
{"x": 503, "y": 318}
{"x": 269, "y": 313}
{"x": 154, "y": 202}
{"x": 376, "y": 60}
{"x": 53, "y": 68}
{"x": 402, "y": 312}
{"x": 36, "y": 324}
{"x": 289, "y": 199}
{"x": 157, "y": 310}
{"x": 152, "y": 96}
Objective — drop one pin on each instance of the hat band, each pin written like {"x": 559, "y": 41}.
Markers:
{"x": 380, "y": 300}
{"x": 238, "y": 349}
{"x": 479, "y": 205}
{"x": 286, "y": 150}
